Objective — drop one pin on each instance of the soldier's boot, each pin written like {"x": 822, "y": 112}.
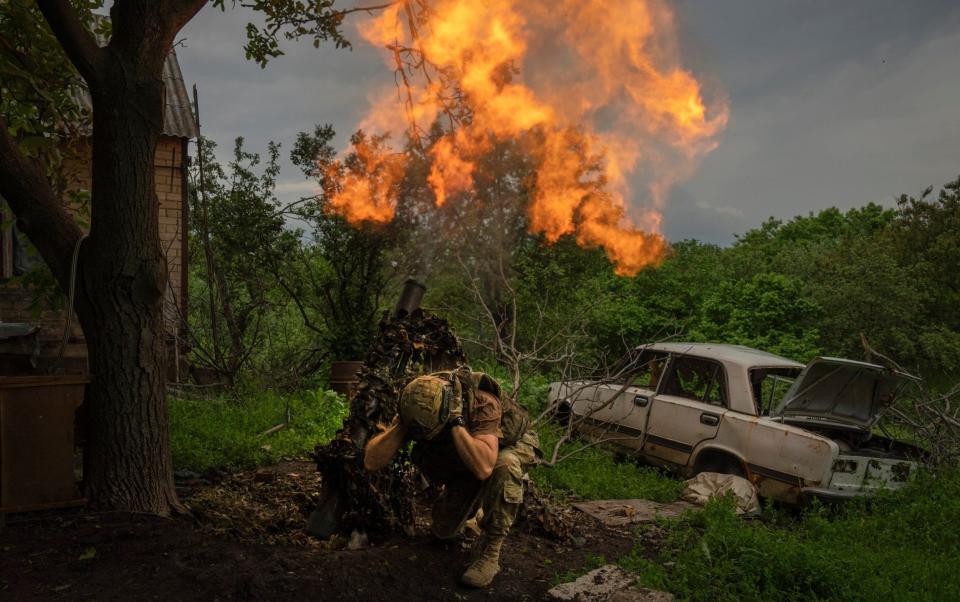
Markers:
{"x": 486, "y": 566}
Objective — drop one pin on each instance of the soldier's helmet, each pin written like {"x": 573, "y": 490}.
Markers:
{"x": 425, "y": 406}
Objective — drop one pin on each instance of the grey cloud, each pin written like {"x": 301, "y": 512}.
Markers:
{"x": 304, "y": 87}
{"x": 686, "y": 217}
{"x": 831, "y": 102}
{"x": 863, "y": 130}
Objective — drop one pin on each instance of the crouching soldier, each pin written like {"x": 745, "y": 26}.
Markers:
{"x": 473, "y": 441}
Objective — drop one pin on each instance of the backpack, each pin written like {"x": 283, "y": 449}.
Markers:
{"x": 514, "y": 418}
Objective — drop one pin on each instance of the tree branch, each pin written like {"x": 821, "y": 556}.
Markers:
{"x": 77, "y": 41}
{"x": 184, "y": 10}
{"x": 40, "y": 212}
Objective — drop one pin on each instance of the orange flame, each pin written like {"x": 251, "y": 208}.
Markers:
{"x": 450, "y": 173}
{"x": 365, "y": 190}
{"x": 608, "y": 69}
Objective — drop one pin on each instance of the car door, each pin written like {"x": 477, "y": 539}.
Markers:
{"x": 687, "y": 410}
{"x": 617, "y": 410}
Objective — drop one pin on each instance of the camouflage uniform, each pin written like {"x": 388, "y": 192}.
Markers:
{"x": 499, "y": 496}
{"x": 502, "y": 493}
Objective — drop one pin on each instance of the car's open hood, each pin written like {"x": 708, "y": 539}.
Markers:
{"x": 844, "y": 392}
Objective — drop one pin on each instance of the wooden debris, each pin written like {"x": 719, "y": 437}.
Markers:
{"x": 272, "y": 430}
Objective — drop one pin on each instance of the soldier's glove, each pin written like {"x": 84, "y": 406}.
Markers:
{"x": 455, "y": 411}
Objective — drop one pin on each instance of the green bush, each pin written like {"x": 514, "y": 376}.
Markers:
{"x": 902, "y": 545}
{"x": 226, "y": 434}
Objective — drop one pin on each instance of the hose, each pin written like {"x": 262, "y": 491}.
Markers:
{"x": 70, "y": 296}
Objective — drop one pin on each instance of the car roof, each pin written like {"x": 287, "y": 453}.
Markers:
{"x": 741, "y": 355}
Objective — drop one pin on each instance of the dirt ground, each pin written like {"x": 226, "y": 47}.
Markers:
{"x": 74, "y": 555}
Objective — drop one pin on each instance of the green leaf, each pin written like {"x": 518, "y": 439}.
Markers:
{"x": 31, "y": 145}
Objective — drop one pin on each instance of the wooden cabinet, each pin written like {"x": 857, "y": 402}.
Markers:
{"x": 37, "y": 417}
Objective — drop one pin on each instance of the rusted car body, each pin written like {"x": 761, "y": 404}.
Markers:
{"x": 795, "y": 431}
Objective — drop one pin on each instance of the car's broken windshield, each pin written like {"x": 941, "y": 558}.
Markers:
{"x": 769, "y": 386}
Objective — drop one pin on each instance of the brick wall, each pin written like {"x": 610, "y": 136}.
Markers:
{"x": 169, "y": 162}
{"x": 169, "y": 182}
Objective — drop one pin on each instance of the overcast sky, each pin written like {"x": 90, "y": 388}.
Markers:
{"x": 831, "y": 103}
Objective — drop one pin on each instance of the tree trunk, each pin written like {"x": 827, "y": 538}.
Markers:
{"x": 124, "y": 276}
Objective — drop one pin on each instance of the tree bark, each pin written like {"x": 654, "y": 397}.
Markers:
{"x": 122, "y": 273}
{"x": 39, "y": 211}
{"x": 120, "y": 305}
{"x": 128, "y": 463}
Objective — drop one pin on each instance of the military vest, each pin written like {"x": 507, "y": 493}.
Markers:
{"x": 514, "y": 418}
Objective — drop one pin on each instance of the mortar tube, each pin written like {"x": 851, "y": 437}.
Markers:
{"x": 410, "y": 297}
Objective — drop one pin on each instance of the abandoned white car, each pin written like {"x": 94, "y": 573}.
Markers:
{"x": 795, "y": 431}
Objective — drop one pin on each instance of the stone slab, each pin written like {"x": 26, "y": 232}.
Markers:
{"x": 618, "y": 513}
{"x": 599, "y": 584}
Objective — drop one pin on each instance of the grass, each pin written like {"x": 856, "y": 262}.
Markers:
{"x": 225, "y": 434}
{"x": 901, "y": 545}
{"x": 591, "y": 562}
{"x": 598, "y": 473}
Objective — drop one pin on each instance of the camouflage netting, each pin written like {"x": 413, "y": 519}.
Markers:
{"x": 353, "y": 499}
{"x": 406, "y": 346}
{"x": 541, "y": 516}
